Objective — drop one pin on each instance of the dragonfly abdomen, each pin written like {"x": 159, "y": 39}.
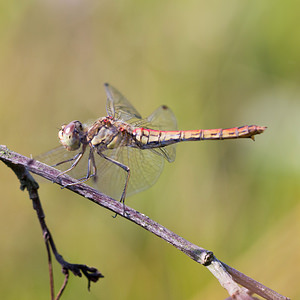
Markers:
{"x": 149, "y": 138}
{"x": 221, "y": 134}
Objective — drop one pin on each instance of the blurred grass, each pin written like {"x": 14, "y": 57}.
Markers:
{"x": 216, "y": 64}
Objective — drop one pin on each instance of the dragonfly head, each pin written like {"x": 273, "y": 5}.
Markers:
{"x": 70, "y": 135}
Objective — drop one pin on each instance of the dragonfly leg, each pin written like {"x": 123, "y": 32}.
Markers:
{"x": 68, "y": 160}
{"x": 91, "y": 161}
{"x": 126, "y": 169}
{"x": 77, "y": 159}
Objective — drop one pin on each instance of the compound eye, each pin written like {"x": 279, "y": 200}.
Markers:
{"x": 69, "y": 136}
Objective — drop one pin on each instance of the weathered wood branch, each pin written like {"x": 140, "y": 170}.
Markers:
{"x": 238, "y": 285}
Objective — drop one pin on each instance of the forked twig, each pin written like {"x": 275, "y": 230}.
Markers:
{"x": 28, "y": 182}
{"x": 238, "y": 285}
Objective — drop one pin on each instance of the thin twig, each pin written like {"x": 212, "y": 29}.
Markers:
{"x": 46, "y": 239}
{"x": 228, "y": 277}
{"x": 66, "y": 272}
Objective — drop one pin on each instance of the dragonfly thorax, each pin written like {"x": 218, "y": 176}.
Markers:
{"x": 71, "y": 135}
{"x": 107, "y": 133}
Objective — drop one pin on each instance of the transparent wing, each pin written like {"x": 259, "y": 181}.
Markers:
{"x": 60, "y": 154}
{"x": 145, "y": 167}
{"x": 56, "y": 155}
{"x": 118, "y": 106}
{"x": 161, "y": 119}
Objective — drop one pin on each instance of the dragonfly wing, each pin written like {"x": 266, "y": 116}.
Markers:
{"x": 145, "y": 168}
{"x": 55, "y": 156}
{"x": 59, "y": 155}
{"x": 167, "y": 152}
{"x": 118, "y": 106}
{"x": 161, "y": 119}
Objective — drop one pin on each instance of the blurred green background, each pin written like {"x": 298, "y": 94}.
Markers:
{"x": 216, "y": 64}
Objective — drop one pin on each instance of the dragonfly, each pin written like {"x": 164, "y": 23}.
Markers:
{"x": 123, "y": 152}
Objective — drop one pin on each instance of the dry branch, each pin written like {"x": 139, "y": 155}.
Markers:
{"x": 228, "y": 277}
